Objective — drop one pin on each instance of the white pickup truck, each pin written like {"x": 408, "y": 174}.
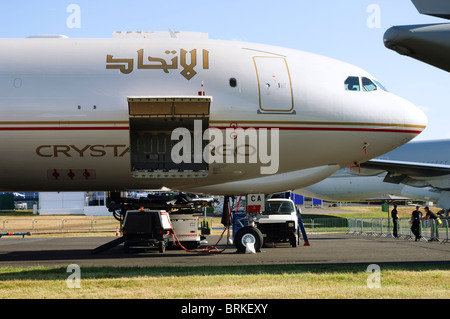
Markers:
{"x": 278, "y": 222}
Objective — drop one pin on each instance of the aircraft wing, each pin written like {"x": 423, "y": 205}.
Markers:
{"x": 412, "y": 173}
{"x": 408, "y": 168}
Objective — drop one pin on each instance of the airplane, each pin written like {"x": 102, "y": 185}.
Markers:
{"x": 146, "y": 110}
{"x": 428, "y": 43}
{"x": 418, "y": 170}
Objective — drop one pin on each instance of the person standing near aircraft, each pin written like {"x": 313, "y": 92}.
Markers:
{"x": 416, "y": 217}
{"x": 434, "y": 231}
{"x": 394, "y": 215}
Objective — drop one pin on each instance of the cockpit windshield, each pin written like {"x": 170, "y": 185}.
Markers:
{"x": 368, "y": 85}
{"x": 352, "y": 83}
{"x": 278, "y": 208}
{"x": 381, "y": 86}
{"x": 356, "y": 83}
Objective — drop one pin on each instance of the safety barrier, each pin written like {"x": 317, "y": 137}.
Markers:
{"x": 377, "y": 227}
{"x": 325, "y": 225}
{"x": 57, "y": 225}
{"x": 431, "y": 229}
{"x": 50, "y": 225}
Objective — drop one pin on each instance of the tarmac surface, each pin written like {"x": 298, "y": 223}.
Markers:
{"x": 324, "y": 249}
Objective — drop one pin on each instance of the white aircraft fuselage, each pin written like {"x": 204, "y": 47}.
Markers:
{"x": 97, "y": 114}
{"x": 422, "y": 170}
{"x": 347, "y": 187}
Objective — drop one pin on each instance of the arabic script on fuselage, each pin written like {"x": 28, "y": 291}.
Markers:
{"x": 126, "y": 66}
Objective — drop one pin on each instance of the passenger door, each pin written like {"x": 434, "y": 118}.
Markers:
{"x": 274, "y": 84}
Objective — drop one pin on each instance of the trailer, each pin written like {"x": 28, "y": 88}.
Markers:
{"x": 185, "y": 227}
{"x": 146, "y": 229}
{"x": 154, "y": 222}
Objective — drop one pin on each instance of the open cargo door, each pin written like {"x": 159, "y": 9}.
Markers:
{"x": 152, "y": 121}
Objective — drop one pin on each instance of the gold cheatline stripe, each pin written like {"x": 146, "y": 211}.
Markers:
{"x": 62, "y": 122}
{"x": 316, "y": 123}
{"x": 211, "y": 122}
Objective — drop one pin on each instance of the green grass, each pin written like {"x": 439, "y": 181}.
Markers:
{"x": 404, "y": 281}
{"x": 305, "y": 281}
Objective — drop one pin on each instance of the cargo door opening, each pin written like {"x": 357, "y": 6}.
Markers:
{"x": 152, "y": 122}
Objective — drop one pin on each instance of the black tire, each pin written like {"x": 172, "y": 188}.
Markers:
{"x": 293, "y": 241}
{"x": 248, "y": 234}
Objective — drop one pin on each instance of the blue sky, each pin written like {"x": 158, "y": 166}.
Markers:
{"x": 348, "y": 30}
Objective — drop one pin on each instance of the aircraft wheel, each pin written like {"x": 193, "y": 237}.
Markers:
{"x": 246, "y": 235}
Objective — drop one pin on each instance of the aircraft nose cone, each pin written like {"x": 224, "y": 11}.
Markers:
{"x": 414, "y": 118}
{"x": 424, "y": 42}
{"x": 391, "y": 35}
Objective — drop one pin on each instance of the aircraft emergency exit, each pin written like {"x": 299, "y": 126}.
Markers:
{"x": 151, "y": 109}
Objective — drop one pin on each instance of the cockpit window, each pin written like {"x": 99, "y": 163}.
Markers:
{"x": 352, "y": 83}
{"x": 368, "y": 85}
{"x": 380, "y": 85}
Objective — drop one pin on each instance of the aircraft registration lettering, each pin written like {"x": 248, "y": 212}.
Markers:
{"x": 126, "y": 65}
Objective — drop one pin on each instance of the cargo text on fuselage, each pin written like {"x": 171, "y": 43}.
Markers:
{"x": 97, "y": 150}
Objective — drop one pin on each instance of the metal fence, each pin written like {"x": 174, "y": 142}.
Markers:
{"x": 53, "y": 225}
{"x": 377, "y": 227}
{"x": 58, "y": 225}
{"x": 326, "y": 225}
{"x": 431, "y": 229}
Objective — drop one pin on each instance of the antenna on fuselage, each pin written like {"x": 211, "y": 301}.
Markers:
{"x": 172, "y": 34}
